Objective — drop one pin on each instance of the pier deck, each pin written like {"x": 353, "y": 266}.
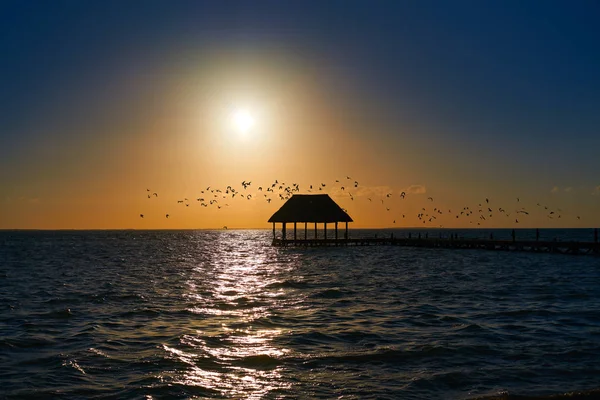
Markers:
{"x": 534, "y": 246}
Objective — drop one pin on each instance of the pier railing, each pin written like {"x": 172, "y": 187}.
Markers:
{"x": 452, "y": 242}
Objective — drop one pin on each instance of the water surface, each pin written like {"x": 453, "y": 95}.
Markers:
{"x": 222, "y": 314}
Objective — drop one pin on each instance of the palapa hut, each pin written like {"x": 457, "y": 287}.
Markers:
{"x": 313, "y": 208}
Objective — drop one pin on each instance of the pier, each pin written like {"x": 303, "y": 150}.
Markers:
{"x": 533, "y": 246}
{"x": 321, "y": 209}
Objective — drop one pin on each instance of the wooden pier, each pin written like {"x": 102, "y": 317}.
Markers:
{"x": 533, "y": 246}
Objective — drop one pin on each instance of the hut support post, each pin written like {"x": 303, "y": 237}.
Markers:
{"x": 294, "y": 231}
{"x": 346, "y": 234}
{"x": 273, "y": 230}
{"x": 336, "y": 234}
{"x": 325, "y": 230}
{"x": 315, "y": 230}
{"x": 305, "y": 236}
{"x": 283, "y": 231}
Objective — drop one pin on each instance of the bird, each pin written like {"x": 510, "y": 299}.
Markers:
{"x": 430, "y": 198}
{"x": 141, "y": 215}
{"x": 167, "y": 215}
{"x": 155, "y": 194}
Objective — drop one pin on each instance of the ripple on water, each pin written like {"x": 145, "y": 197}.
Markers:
{"x": 213, "y": 314}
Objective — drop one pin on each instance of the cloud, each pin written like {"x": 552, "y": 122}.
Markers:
{"x": 555, "y": 189}
{"x": 416, "y": 189}
{"x": 29, "y": 200}
{"x": 362, "y": 191}
{"x": 568, "y": 189}
{"x": 596, "y": 191}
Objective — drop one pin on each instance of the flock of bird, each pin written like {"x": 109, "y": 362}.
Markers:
{"x": 429, "y": 214}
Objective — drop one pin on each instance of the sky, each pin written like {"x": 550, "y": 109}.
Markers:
{"x": 454, "y": 103}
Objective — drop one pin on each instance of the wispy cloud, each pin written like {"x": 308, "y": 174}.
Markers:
{"x": 416, "y": 189}
{"x": 596, "y": 191}
{"x": 29, "y": 200}
{"x": 555, "y": 189}
{"x": 362, "y": 191}
{"x": 376, "y": 191}
{"x": 568, "y": 189}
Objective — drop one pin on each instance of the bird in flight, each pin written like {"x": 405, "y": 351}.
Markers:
{"x": 167, "y": 216}
{"x": 141, "y": 215}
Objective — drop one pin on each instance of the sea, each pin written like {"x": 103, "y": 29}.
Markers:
{"x": 222, "y": 314}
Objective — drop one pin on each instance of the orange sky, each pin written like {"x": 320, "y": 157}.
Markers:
{"x": 171, "y": 131}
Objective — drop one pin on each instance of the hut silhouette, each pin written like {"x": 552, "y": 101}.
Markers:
{"x": 310, "y": 208}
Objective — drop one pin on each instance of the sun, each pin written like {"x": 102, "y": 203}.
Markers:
{"x": 243, "y": 121}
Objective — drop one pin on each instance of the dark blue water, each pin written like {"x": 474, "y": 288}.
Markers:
{"x": 222, "y": 314}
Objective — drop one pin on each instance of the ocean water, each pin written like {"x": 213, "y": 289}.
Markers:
{"x": 223, "y": 314}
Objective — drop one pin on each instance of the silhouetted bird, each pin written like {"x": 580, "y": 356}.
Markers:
{"x": 141, "y": 215}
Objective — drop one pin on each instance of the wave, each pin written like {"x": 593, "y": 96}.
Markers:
{"x": 288, "y": 284}
{"x": 592, "y": 394}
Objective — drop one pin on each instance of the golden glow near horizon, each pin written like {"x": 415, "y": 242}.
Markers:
{"x": 289, "y": 125}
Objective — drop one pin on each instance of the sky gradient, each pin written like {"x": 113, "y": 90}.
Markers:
{"x": 458, "y": 101}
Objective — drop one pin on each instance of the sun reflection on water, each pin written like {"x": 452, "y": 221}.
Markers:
{"x": 232, "y": 351}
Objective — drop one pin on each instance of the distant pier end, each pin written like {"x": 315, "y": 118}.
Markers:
{"x": 309, "y": 208}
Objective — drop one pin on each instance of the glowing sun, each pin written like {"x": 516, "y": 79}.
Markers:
{"x": 243, "y": 120}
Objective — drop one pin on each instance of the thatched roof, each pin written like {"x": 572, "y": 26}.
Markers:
{"x": 310, "y": 208}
